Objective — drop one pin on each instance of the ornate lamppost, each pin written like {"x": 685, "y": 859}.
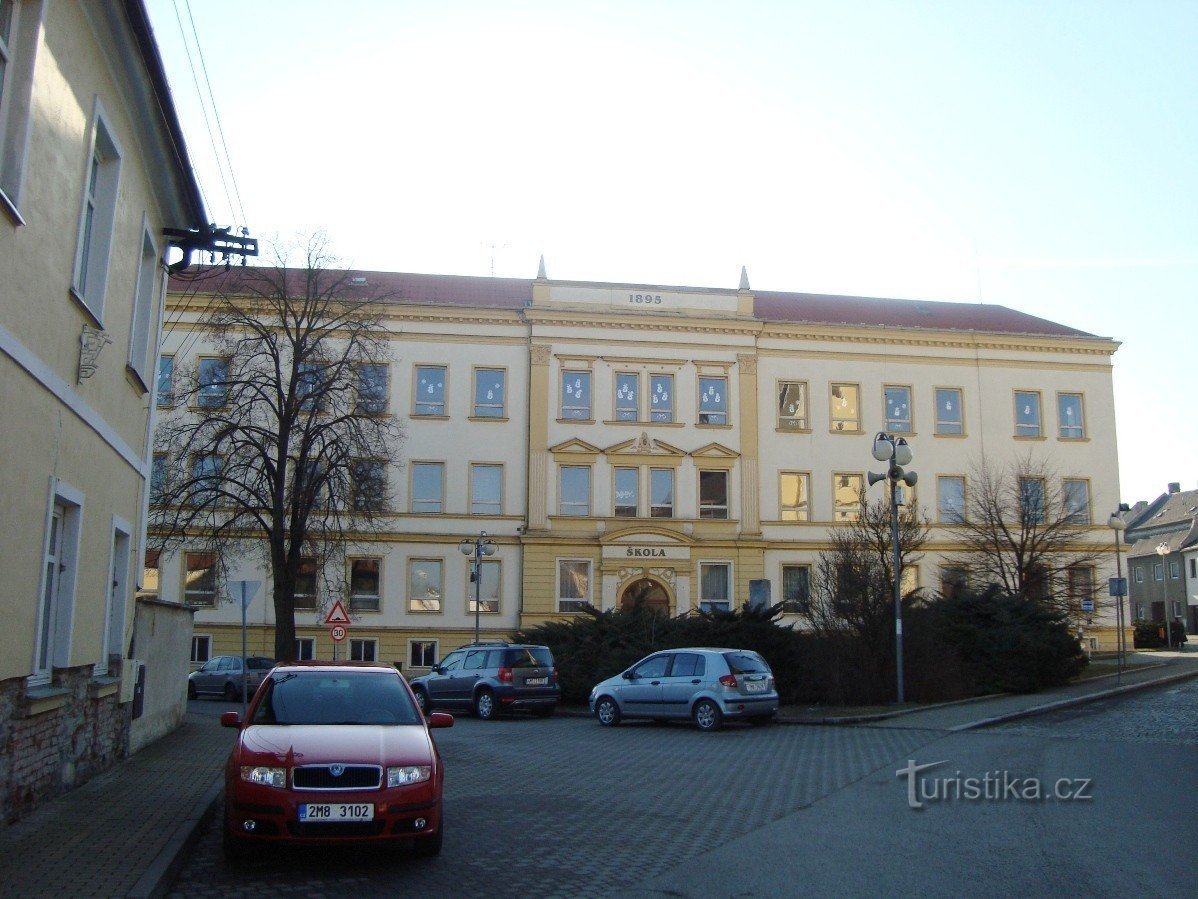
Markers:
{"x": 478, "y": 547}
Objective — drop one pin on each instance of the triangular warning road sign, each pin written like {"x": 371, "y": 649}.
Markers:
{"x": 337, "y": 614}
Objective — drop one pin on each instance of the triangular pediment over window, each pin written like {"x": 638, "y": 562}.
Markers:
{"x": 644, "y": 446}
{"x": 715, "y": 451}
{"x": 574, "y": 447}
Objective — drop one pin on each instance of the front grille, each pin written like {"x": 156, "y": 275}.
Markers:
{"x": 354, "y": 777}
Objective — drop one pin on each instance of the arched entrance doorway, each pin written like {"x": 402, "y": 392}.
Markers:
{"x": 647, "y": 593}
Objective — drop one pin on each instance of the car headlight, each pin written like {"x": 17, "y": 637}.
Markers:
{"x": 267, "y": 777}
{"x": 409, "y": 774}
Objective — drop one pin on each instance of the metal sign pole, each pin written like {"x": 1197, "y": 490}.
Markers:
{"x": 245, "y": 674}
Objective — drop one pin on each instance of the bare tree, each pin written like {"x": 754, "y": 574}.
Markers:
{"x": 1023, "y": 531}
{"x": 282, "y": 437}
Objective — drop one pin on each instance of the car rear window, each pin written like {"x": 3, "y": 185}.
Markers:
{"x": 335, "y": 697}
{"x": 746, "y": 663}
{"x": 259, "y": 664}
{"x": 530, "y": 657}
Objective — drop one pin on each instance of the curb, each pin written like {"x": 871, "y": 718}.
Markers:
{"x": 162, "y": 871}
{"x": 1073, "y": 701}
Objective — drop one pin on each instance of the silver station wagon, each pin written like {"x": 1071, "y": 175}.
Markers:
{"x": 704, "y": 685}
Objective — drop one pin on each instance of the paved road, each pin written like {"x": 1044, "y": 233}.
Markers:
{"x": 563, "y": 807}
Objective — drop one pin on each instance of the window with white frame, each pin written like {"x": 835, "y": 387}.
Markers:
{"x": 1071, "y": 422}
{"x": 370, "y": 383}
{"x": 794, "y": 496}
{"x": 898, "y": 408}
{"x": 425, "y": 585}
{"x": 422, "y": 653}
{"x": 306, "y": 583}
{"x": 951, "y": 499}
{"x": 430, "y": 390}
{"x": 846, "y": 407}
{"x": 428, "y": 486}
{"x": 364, "y": 650}
{"x": 365, "y": 584}
{"x": 576, "y": 395}
{"x": 1174, "y": 570}
{"x": 158, "y": 473}
{"x": 368, "y": 485}
{"x": 792, "y": 405}
{"x": 715, "y": 586}
{"x": 212, "y": 380}
{"x": 20, "y": 27}
{"x": 1031, "y": 501}
{"x": 661, "y": 493}
{"x": 101, "y": 184}
{"x": 201, "y": 648}
{"x": 1079, "y": 584}
{"x": 199, "y": 579}
{"x": 1076, "y": 496}
{"x": 486, "y": 489}
{"x": 489, "y": 578}
{"x": 205, "y": 478}
{"x": 490, "y": 392}
{"x": 1158, "y": 572}
{"x": 1027, "y": 413}
{"x": 954, "y": 581}
{"x": 59, "y": 569}
{"x": 847, "y": 491}
{"x": 165, "y": 389}
{"x": 796, "y": 588}
{"x": 713, "y": 401}
{"x": 713, "y": 494}
{"x": 1139, "y": 575}
{"x": 305, "y": 649}
{"x": 627, "y": 485}
{"x": 661, "y": 398}
{"x": 311, "y": 382}
{"x": 628, "y": 396}
{"x": 573, "y": 584}
{"x": 143, "y": 324}
{"x": 949, "y": 415}
{"x": 574, "y": 490}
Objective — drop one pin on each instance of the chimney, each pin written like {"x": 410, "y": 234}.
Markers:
{"x": 1175, "y": 487}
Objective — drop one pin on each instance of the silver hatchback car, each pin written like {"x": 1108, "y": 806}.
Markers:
{"x": 704, "y": 685}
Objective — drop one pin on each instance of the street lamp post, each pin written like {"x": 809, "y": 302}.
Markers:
{"x": 1162, "y": 550}
{"x": 478, "y": 547}
{"x": 896, "y": 451}
{"x": 1117, "y": 524}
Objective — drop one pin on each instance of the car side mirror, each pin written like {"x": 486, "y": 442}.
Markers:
{"x": 439, "y": 719}
{"x": 629, "y": 675}
{"x": 437, "y": 669}
{"x": 230, "y": 719}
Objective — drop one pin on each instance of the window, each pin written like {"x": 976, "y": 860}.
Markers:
{"x": 796, "y": 588}
{"x": 846, "y": 407}
{"x": 1140, "y": 611}
{"x": 661, "y": 493}
{"x": 898, "y": 409}
{"x": 713, "y": 494}
{"x": 627, "y": 496}
{"x": 305, "y": 584}
{"x": 486, "y": 489}
{"x": 792, "y": 405}
{"x": 489, "y": 571}
{"x": 1139, "y": 575}
{"x": 205, "y": 476}
{"x": 1071, "y": 424}
{"x": 490, "y": 388}
{"x": 951, "y": 491}
{"x": 1193, "y": 567}
{"x": 150, "y": 575}
{"x": 574, "y": 497}
{"x": 368, "y": 490}
{"x": 430, "y": 390}
{"x": 365, "y": 585}
{"x": 305, "y": 649}
{"x": 1031, "y": 501}
{"x": 363, "y": 650}
{"x": 213, "y": 383}
{"x": 576, "y": 395}
{"x": 628, "y": 396}
{"x": 96, "y": 219}
{"x": 715, "y": 586}
{"x": 424, "y": 585}
{"x": 573, "y": 584}
{"x": 954, "y": 581}
{"x": 199, "y": 579}
{"x": 158, "y": 470}
{"x": 1079, "y": 584}
{"x": 1077, "y": 500}
{"x": 201, "y": 648}
{"x": 949, "y": 417}
{"x": 20, "y": 24}
{"x": 166, "y": 381}
{"x": 144, "y": 319}
{"x": 794, "y": 493}
{"x": 1158, "y": 572}
{"x": 311, "y": 386}
{"x": 847, "y": 492}
{"x": 422, "y": 653}
{"x": 661, "y": 398}
{"x": 428, "y": 480}
{"x": 1027, "y": 413}
{"x": 370, "y": 382}
{"x": 713, "y": 401}
{"x": 58, "y": 574}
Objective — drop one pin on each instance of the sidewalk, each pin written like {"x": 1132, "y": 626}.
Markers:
{"x": 125, "y": 832}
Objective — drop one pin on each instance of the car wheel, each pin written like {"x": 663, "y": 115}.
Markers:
{"x": 191, "y": 690}
{"x": 545, "y": 712}
{"x": 707, "y": 715}
{"x": 422, "y": 701}
{"x": 233, "y": 846}
{"x": 607, "y": 711}
{"x": 427, "y": 847}
{"x": 231, "y": 692}
{"x": 484, "y": 705}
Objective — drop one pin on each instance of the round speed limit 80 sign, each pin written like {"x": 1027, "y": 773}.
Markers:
{"x": 337, "y": 632}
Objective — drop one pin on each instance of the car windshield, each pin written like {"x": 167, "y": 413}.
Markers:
{"x": 530, "y": 657}
{"x": 746, "y": 663}
{"x": 335, "y": 697}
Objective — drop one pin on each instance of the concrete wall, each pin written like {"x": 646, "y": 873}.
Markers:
{"x": 162, "y": 642}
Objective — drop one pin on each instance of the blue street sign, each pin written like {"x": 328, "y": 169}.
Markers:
{"x": 1118, "y": 586}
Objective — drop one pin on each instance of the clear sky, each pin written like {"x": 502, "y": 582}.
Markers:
{"x": 1039, "y": 155}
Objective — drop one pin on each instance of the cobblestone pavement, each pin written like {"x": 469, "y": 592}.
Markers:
{"x": 568, "y": 808}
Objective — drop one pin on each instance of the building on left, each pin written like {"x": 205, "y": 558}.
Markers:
{"x": 93, "y": 168}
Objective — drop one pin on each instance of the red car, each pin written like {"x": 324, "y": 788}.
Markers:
{"x": 333, "y": 753}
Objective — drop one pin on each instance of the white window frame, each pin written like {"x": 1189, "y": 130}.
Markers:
{"x": 495, "y": 565}
{"x": 429, "y": 501}
{"x": 119, "y": 561}
{"x": 142, "y": 326}
{"x": 483, "y": 407}
{"x": 1174, "y": 570}
{"x": 305, "y": 649}
{"x": 1039, "y": 415}
{"x": 365, "y": 404}
{"x": 583, "y": 509}
{"x": 485, "y": 506}
{"x": 97, "y": 213}
{"x": 899, "y": 425}
{"x": 1079, "y": 426}
{"x": 851, "y": 512}
{"x": 18, "y": 56}
{"x": 944, "y": 514}
{"x": 635, "y": 505}
{"x": 801, "y": 511}
{"x": 439, "y": 599}
{"x": 838, "y": 422}
{"x": 364, "y": 602}
{"x": 58, "y": 580}
{"x": 362, "y": 643}
{"x": 661, "y": 414}
{"x": 800, "y": 418}
{"x": 417, "y": 402}
{"x": 1080, "y": 515}
{"x": 436, "y": 648}
{"x": 782, "y": 584}
{"x": 215, "y": 580}
{"x": 948, "y": 427}
{"x": 673, "y": 504}
{"x": 707, "y": 603}
{"x": 198, "y": 640}
{"x": 587, "y": 599}
{"x": 164, "y": 371}
{"x": 719, "y": 414}
{"x": 709, "y": 507}
{"x": 576, "y": 410}
{"x": 633, "y": 405}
